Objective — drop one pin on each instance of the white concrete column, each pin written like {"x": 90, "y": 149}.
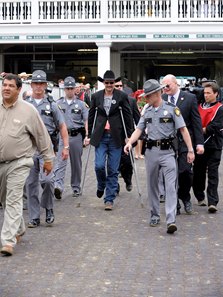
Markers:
{"x": 116, "y": 63}
{"x": 1, "y": 63}
{"x": 103, "y": 59}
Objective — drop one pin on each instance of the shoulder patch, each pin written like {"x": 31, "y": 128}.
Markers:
{"x": 177, "y": 111}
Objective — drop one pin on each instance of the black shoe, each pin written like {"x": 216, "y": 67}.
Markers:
{"x": 162, "y": 198}
{"x": 49, "y": 216}
{"x": 100, "y": 193}
{"x": 178, "y": 211}
{"x": 34, "y": 223}
{"x": 188, "y": 207}
{"x": 57, "y": 193}
{"x": 212, "y": 209}
{"x": 129, "y": 187}
{"x": 171, "y": 228}
{"x": 76, "y": 193}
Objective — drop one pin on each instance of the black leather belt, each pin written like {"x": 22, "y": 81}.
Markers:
{"x": 164, "y": 144}
{"x": 73, "y": 132}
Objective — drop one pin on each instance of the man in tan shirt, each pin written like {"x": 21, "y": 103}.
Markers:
{"x": 21, "y": 132}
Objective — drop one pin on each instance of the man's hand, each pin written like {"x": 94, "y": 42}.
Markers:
{"x": 47, "y": 167}
{"x": 190, "y": 156}
{"x": 200, "y": 149}
{"x": 65, "y": 154}
{"x": 127, "y": 148}
{"x": 86, "y": 141}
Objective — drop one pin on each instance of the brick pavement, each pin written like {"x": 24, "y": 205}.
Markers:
{"x": 92, "y": 253}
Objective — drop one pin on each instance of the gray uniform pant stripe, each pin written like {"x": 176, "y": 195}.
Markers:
{"x": 36, "y": 178}
{"x": 13, "y": 176}
{"x": 76, "y": 150}
{"x": 157, "y": 159}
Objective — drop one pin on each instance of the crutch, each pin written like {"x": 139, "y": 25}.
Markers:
{"x": 132, "y": 160}
{"x": 88, "y": 155}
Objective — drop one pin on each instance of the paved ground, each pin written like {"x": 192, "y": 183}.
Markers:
{"x": 92, "y": 253}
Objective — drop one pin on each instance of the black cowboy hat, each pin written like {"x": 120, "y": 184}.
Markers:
{"x": 108, "y": 75}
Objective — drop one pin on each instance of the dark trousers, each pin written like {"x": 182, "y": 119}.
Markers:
{"x": 207, "y": 165}
{"x": 126, "y": 168}
{"x": 185, "y": 177}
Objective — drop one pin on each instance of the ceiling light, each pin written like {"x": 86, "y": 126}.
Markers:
{"x": 87, "y": 50}
{"x": 176, "y": 53}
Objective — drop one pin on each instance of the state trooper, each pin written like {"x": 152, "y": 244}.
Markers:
{"x": 54, "y": 122}
{"x": 76, "y": 116}
{"x": 160, "y": 121}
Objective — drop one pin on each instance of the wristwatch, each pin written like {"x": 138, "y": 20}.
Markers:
{"x": 67, "y": 147}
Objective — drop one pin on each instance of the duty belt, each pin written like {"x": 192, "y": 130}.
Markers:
{"x": 164, "y": 144}
{"x": 75, "y": 132}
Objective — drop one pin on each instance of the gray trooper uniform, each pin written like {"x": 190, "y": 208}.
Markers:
{"x": 75, "y": 113}
{"x": 52, "y": 118}
{"x": 161, "y": 124}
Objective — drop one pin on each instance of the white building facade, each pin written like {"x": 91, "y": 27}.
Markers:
{"x": 129, "y": 37}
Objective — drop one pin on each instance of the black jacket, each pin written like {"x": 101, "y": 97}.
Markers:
{"x": 188, "y": 106}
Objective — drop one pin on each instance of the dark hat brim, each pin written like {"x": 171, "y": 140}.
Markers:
{"x": 108, "y": 79}
{"x": 152, "y": 91}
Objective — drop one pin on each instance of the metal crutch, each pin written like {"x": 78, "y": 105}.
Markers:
{"x": 88, "y": 155}
{"x": 132, "y": 161}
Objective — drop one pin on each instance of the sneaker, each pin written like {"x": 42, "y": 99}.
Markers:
{"x": 57, "y": 193}
{"x": 154, "y": 222}
{"x": 188, "y": 207}
{"x": 162, "y": 198}
{"x": 76, "y": 193}
{"x": 108, "y": 205}
{"x": 49, "y": 216}
{"x": 171, "y": 228}
{"x": 99, "y": 193}
{"x": 202, "y": 203}
{"x": 34, "y": 223}
{"x": 212, "y": 208}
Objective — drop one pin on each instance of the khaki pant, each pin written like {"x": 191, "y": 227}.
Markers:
{"x": 12, "y": 179}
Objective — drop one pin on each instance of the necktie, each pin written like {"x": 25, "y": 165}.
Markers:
{"x": 172, "y": 100}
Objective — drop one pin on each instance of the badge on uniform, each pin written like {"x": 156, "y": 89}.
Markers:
{"x": 76, "y": 105}
{"x": 177, "y": 111}
{"x": 165, "y": 112}
{"x": 47, "y": 107}
{"x": 113, "y": 102}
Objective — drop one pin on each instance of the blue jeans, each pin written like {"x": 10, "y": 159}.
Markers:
{"x": 107, "y": 150}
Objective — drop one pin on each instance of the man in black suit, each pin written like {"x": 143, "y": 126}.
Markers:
{"x": 188, "y": 106}
{"x": 126, "y": 169}
{"x": 106, "y": 133}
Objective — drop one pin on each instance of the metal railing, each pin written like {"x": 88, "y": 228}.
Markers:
{"x": 105, "y": 11}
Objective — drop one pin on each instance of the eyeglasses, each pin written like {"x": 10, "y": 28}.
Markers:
{"x": 109, "y": 82}
{"x": 118, "y": 86}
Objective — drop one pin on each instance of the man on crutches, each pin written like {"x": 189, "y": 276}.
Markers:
{"x": 161, "y": 120}
{"x": 108, "y": 135}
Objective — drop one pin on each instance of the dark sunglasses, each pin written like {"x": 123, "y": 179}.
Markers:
{"x": 118, "y": 86}
{"x": 109, "y": 82}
